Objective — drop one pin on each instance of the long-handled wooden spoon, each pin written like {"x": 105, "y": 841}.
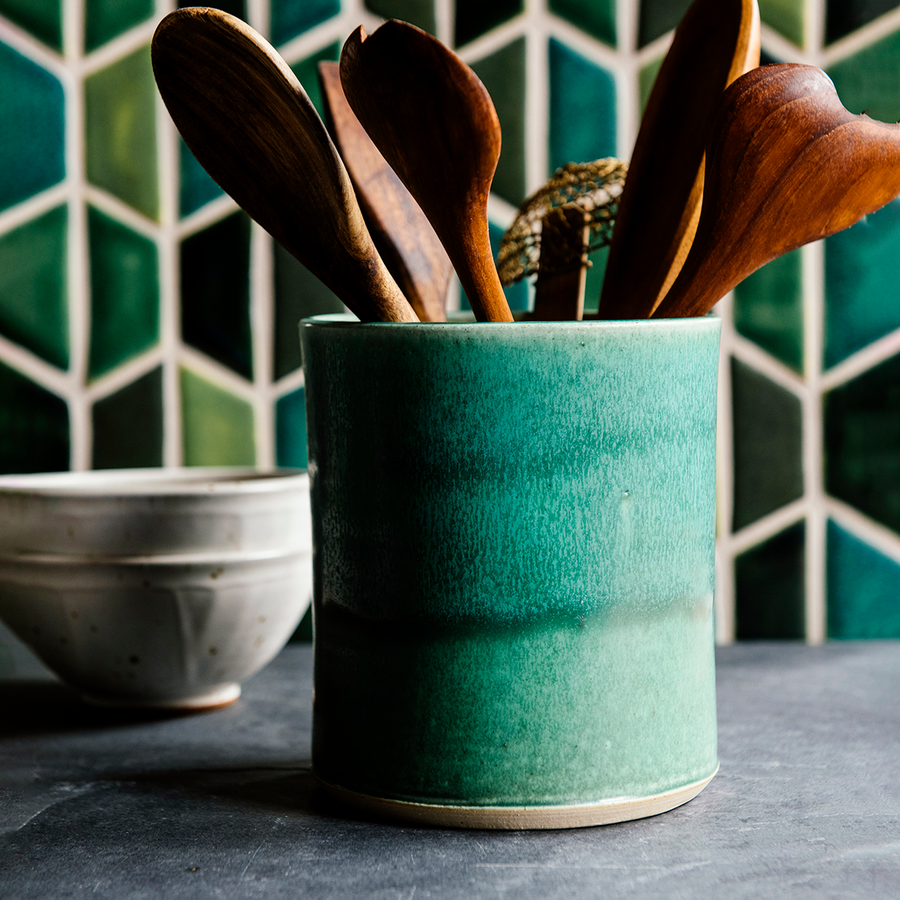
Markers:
{"x": 403, "y": 235}
{"x": 253, "y": 128}
{"x": 786, "y": 164}
{"x": 716, "y": 42}
{"x": 434, "y": 122}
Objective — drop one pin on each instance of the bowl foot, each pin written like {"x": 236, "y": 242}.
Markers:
{"x": 221, "y": 695}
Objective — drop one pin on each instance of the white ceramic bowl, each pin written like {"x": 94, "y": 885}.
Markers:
{"x": 132, "y": 512}
{"x": 168, "y": 632}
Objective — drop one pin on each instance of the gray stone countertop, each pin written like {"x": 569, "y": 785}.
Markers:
{"x": 222, "y": 804}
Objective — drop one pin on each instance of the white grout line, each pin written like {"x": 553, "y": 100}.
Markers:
{"x": 496, "y": 39}
{"x": 117, "y": 209}
{"x": 445, "y": 15}
{"x": 31, "y": 48}
{"x": 880, "y": 537}
{"x": 38, "y": 370}
{"x": 220, "y": 375}
{"x": 118, "y": 48}
{"x": 870, "y": 356}
{"x": 287, "y": 385}
{"x": 537, "y": 110}
{"x": 775, "y": 370}
{"x": 36, "y": 206}
{"x": 208, "y": 214}
{"x": 124, "y": 375}
{"x": 778, "y": 46}
{"x": 262, "y": 329}
{"x": 869, "y": 34}
{"x": 592, "y": 50}
{"x": 768, "y": 527}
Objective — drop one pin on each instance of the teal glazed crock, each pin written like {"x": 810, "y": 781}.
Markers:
{"x": 513, "y": 532}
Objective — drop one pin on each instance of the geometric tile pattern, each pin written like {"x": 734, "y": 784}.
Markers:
{"x": 145, "y": 321}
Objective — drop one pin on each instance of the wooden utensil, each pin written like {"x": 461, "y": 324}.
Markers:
{"x": 402, "y": 233}
{"x": 434, "y": 122}
{"x": 717, "y": 41}
{"x": 786, "y": 164}
{"x": 559, "y": 288}
{"x": 251, "y": 125}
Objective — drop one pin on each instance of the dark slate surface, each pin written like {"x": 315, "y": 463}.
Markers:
{"x": 222, "y": 804}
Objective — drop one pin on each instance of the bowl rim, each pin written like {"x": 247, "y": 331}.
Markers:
{"x": 40, "y": 560}
{"x": 172, "y": 481}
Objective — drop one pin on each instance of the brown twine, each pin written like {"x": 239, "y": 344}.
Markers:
{"x": 595, "y": 187}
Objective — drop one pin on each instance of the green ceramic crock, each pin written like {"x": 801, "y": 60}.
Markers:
{"x": 513, "y": 531}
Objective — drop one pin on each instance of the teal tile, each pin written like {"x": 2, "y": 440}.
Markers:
{"x": 862, "y": 443}
{"x": 215, "y": 293}
{"x": 658, "y": 17}
{"x": 596, "y": 17}
{"x": 43, "y": 18}
{"x": 124, "y": 293}
{"x": 128, "y": 426}
{"x": 298, "y": 294}
{"x": 307, "y": 72}
{"x": 33, "y": 286}
{"x": 516, "y": 294}
{"x": 788, "y": 17}
{"x": 290, "y": 18}
{"x": 416, "y": 12}
{"x": 863, "y": 589}
{"x": 32, "y": 153}
{"x": 769, "y": 588}
{"x": 844, "y": 16}
{"x": 869, "y": 80}
{"x": 120, "y": 131}
{"x": 34, "y": 426}
{"x": 582, "y": 108}
{"x": 106, "y": 19}
{"x": 862, "y": 295}
{"x": 768, "y": 448}
{"x": 217, "y": 426}
{"x": 475, "y": 17}
{"x": 768, "y": 309}
{"x": 290, "y": 430}
{"x": 503, "y": 74}
{"x": 196, "y": 187}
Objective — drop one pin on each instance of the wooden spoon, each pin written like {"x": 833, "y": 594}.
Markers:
{"x": 786, "y": 164}
{"x": 403, "y": 235}
{"x": 253, "y": 128}
{"x": 716, "y": 42}
{"x": 434, "y": 122}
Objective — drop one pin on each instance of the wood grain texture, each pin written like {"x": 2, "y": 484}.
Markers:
{"x": 559, "y": 288}
{"x": 787, "y": 164}
{"x": 434, "y": 122}
{"x": 251, "y": 125}
{"x": 403, "y": 235}
{"x": 716, "y": 42}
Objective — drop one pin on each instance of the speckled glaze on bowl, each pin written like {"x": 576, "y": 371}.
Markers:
{"x": 513, "y": 529}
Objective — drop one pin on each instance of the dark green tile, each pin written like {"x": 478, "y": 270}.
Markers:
{"x": 862, "y": 443}
{"x": 33, "y": 286}
{"x": 34, "y": 426}
{"x": 32, "y": 151}
{"x": 235, "y": 7}
{"x": 215, "y": 293}
{"x": 304, "y": 632}
{"x": 106, "y": 19}
{"x": 503, "y": 74}
{"x": 120, "y": 131}
{"x": 217, "y": 426}
{"x": 844, "y": 16}
{"x": 124, "y": 293}
{"x": 128, "y": 426}
{"x": 869, "y": 80}
{"x": 787, "y": 17}
{"x": 768, "y": 309}
{"x": 298, "y": 294}
{"x": 475, "y": 17}
{"x": 43, "y": 18}
{"x": 197, "y": 187}
{"x": 863, "y": 589}
{"x": 290, "y": 18}
{"x": 596, "y": 17}
{"x": 862, "y": 294}
{"x": 769, "y": 588}
{"x": 307, "y": 72}
{"x": 582, "y": 108}
{"x": 658, "y": 17}
{"x": 768, "y": 450}
{"x": 416, "y": 12}
{"x": 646, "y": 80}
{"x": 516, "y": 294}
{"x": 290, "y": 430}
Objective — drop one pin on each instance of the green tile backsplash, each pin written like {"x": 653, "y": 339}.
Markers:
{"x": 145, "y": 321}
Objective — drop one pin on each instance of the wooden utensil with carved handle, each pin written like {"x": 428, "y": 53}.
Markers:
{"x": 716, "y": 42}
{"x": 251, "y": 125}
{"x": 787, "y": 164}
{"x": 434, "y": 122}
{"x": 402, "y": 233}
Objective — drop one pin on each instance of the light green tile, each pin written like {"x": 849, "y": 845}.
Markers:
{"x": 217, "y": 426}
{"x": 120, "y": 131}
{"x": 787, "y": 17}
{"x": 646, "y": 80}
{"x": 869, "y": 80}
